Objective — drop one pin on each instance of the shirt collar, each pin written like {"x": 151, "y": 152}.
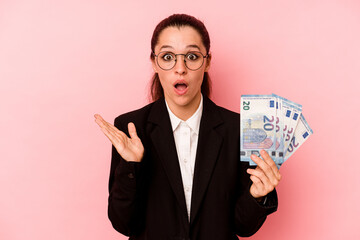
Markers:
{"x": 193, "y": 122}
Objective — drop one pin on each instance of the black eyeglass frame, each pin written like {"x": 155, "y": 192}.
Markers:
{"x": 184, "y": 59}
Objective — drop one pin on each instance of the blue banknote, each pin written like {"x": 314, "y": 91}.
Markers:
{"x": 257, "y": 126}
{"x": 272, "y": 123}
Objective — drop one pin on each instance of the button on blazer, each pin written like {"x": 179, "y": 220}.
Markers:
{"x": 146, "y": 199}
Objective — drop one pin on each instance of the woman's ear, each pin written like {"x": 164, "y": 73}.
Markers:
{"x": 208, "y": 62}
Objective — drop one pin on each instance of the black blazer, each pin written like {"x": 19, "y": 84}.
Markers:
{"x": 146, "y": 199}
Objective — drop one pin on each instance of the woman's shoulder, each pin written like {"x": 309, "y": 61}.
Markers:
{"x": 225, "y": 113}
{"x": 227, "y": 122}
{"x": 231, "y": 118}
{"x": 229, "y": 113}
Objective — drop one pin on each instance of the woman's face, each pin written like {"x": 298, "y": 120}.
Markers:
{"x": 182, "y": 86}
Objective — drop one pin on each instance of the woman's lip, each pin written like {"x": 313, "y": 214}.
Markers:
{"x": 180, "y": 81}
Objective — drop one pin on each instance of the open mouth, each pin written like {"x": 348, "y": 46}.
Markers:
{"x": 180, "y": 86}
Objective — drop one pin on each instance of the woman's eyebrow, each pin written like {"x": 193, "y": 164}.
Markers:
{"x": 166, "y": 46}
{"x": 188, "y": 46}
{"x": 193, "y": 46}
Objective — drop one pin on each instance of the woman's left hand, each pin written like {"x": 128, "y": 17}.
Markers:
{"x": 265, "y": 176}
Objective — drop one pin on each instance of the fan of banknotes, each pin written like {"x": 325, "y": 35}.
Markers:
{"x": 272, "y": 123}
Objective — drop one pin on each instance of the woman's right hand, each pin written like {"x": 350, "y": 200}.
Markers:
{"x": 130, "y": 149}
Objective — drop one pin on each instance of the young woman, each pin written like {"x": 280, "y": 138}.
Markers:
{"x": 175, "y": 167}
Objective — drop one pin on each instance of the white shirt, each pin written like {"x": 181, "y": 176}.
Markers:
{"x": 186, "y": 134}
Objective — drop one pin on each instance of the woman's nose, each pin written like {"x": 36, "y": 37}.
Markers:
{"x": 180, "y": 66}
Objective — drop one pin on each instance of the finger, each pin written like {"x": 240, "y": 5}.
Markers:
{"x": 115, "y": 130}
{"x": 110, "y": 135}
{"x": 116, "y": 136}
{"x": 132, "y": 130}
{"x": 260, "y": 175}
{"x": 271, "y": 163}
{"x": 264, "y": 183}
{"x": 100, "y": 121}
{"x": 266, "y": 169}
{"x": 257, "y": 181}
{"x": 98, "y": 117}
{"x": 257, "y": 188}
{"x": 111, "y": 128}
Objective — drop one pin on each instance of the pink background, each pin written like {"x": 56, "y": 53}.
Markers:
{"x": 63, "y": 61}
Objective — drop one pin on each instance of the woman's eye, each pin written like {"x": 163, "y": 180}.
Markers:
{"x": 168, "y": 57}
{"x": 192, "y": 56}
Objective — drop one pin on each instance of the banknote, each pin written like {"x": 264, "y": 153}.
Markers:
{"x": 272, "y": 123}
{"x": 292, "y": 113}
{"x": 257, "y": 126}
{"x": 279, "y": 157}
{"x": 302, "y": 133}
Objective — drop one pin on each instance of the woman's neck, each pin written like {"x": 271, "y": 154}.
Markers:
{"x": 184, "y": 112}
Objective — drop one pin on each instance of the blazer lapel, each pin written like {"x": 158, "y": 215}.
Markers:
{"x": 209, "y": 144}
{"x": 163, "y": 139}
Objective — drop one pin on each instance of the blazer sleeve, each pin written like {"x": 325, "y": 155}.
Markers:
{"x": 249, "y": 213}
{"x": 125, "y": 207}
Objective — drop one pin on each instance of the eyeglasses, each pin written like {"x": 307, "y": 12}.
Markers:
{"x": 193, "y": 60}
